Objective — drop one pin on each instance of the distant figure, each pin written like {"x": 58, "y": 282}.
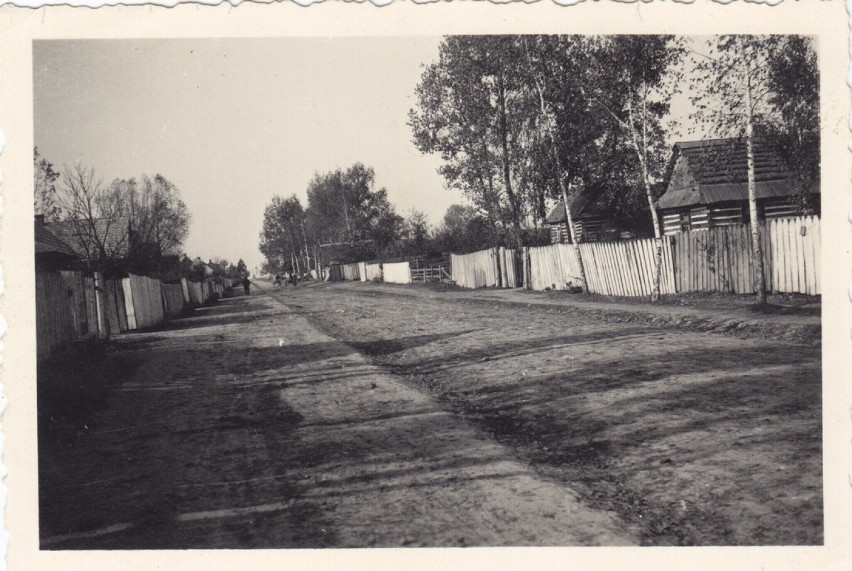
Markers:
{"x": 246, "y": 285}
{"x": 293, "y": 279}
{"x": 277, "y": 279}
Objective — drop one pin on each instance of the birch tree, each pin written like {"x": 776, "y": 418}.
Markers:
{"x": 735, "y": 98}
{"x": 549, "y": 126}
{"x": 630, "y": 79}
{"x": 282, "y": 238}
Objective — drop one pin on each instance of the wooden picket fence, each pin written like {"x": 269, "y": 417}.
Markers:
{"x": 371, "y": 272}
{"x": 627, "y": 268}
{"x": 396, "y": 273}
{"x": 719, "y": 259}
{"x": 351, "y": 272}
{"x": 722, "y": 260}
{"x": 173, "y": 299}
{"x": 716, "y": 260}
{"x": 71, "y": 306}
{"x": 54, "y": 322}
{"x": 612, "y": 268}
{"x": 494, "y": 267}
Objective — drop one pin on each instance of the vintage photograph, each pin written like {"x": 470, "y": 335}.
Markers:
{"x": 428, "y": 291}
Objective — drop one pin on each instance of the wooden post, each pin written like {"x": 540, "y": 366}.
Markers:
{"x": 495, "y": 254}
{"x": 103, "y": 329}
{"x": 128, "y": 303}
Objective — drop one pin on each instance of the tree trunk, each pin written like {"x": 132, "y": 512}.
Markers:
{"x": 550, "y": 125}
{"x": 295, "y": 262}
{"x": 507, "y": 178}
{"x": 575, "y": 241}
{"x": 641, "y": 154}
{"x": 307, "y": 252}
{"x": 757, "y": 248}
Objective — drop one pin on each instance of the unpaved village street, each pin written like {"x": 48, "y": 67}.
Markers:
{"x": 361, "y": 414}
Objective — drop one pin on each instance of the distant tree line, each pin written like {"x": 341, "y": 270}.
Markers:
{"x": 346, "y": 210}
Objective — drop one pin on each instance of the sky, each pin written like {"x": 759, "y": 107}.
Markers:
{"x": 233, "y": 122}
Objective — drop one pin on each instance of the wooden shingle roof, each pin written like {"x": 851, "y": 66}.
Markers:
{"x": 47, "y": 243}
{"x": 718, "y": 172}
{"x": 78, "y": 237}
{"x": 581, "y": 205}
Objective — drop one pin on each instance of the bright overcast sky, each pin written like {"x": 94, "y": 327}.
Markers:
{"x": 233, "y": 122}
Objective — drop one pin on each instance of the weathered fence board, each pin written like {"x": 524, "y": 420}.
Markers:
{"x": 721, "y": 259}
{"x": 91, "y": 304}
{"x": 184, "y": 284}
{"x": 194, "y": 290}
{"x": 128, "y": 304}
{"x": 351, "y": 272}
{"x": 76, "y": 301}
{"x": 396, "y": 273}
{"x": 612, "y": 268}
{"x": 474, "y": 270}
{"x": 494, "y": 267}
{"x": 54, "y": 322}
{"x": 110, "y": 307}
{"x": 173, "y": 299}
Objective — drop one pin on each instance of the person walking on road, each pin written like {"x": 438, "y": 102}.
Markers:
{"x": 246, "y": 285}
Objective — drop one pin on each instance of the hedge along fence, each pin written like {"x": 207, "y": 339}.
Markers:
{"x": 371, "y": 272}
{"x": 494, "y": 267}
{"x": 396, "y": 273}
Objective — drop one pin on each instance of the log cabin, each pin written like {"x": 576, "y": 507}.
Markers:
{"x": 707, "y": 186}
{"x": 592, "y": 222}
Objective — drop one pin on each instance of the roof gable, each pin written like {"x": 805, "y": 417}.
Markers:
{"x": 707, "y": 172}
{"x": 46, "y": 242}
{"x": 581, "y": 205}
{"x": 80, "y": 238}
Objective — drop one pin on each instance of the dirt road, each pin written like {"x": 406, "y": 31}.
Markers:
{"x": 691, "y": 437}
{"x": 244, "y": 426}
{"x": 352, "y": 415}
